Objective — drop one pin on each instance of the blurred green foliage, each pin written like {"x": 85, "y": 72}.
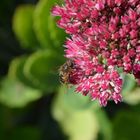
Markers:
{"x": 15, "y": 94}
{"x": 32, "y": 81}
{"x": 23, "y": 26}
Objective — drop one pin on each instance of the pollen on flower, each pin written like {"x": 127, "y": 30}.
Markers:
{"x": 104, "y": 36}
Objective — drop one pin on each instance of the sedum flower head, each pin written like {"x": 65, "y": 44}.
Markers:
{"x": 104, "y": 36}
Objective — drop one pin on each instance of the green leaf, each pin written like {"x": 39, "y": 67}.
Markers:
{"x": 41, "y": 67}
{"x": 78, "y": 101}
{"x": 104, "y": 125}
{"x": 79, "y": 117}
{"x": 49, "y": 35}
{"x": 15, "y": 94}
{"x": 133, "y": 98}
{"x": 129, "y": 84}
{"x": 75, "y": 116}
{"x": 23, "y": 26}
{"x": 69, "y": 99}
{"x": 16, "y": 71}
{"x": 131, "y": 91}
{"x": 81, "y": 125}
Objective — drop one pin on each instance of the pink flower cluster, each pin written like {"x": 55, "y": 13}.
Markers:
{"x": 104, "y": 36}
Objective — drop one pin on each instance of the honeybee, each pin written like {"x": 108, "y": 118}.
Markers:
{"x": 65, "y": 72}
